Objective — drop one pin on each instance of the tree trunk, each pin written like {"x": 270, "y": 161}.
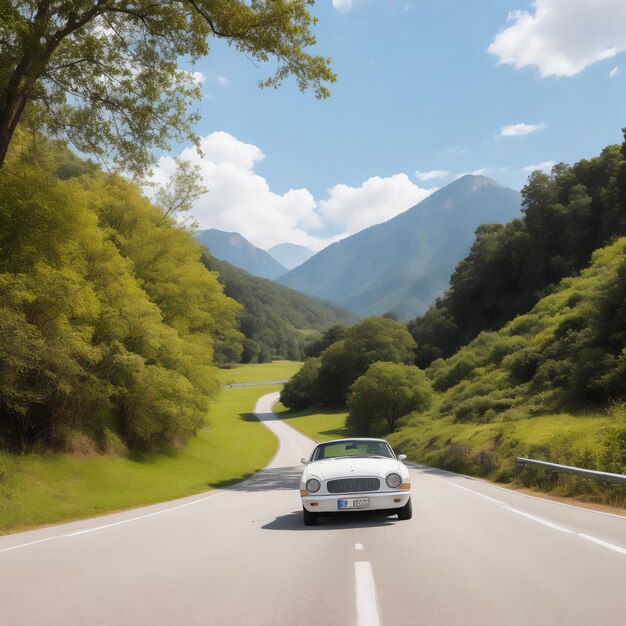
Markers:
{"x": 9, "y": 117}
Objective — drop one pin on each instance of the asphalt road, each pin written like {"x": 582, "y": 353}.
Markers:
{"x": 472, "y": 554}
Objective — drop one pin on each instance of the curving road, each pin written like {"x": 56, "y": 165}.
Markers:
{"x": 472, "y": 554}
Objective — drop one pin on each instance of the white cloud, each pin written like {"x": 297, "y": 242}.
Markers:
{"x": 614, "y": 72}
{"x": 562, "y": 37}
{"x": 432, "y": 174}
{"x": 519, "y": 130}
{"x": 351, "y": 209}
{"x": 546, "y": 167}
{"x": 240, "y": 200}
{"x": 222, "y": 80}
{"x": 343, "y": 6}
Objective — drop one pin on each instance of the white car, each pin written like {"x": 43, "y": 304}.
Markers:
{"x": 354, "y": 474}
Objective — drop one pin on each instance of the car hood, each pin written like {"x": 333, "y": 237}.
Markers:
{"x": 345, "y": 467}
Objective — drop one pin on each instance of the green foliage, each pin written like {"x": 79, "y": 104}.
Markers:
{"x": 45, "y": 489}
{"x": 335, "y": 333}
{"x": 374, "y": 339}
{"x": 301, "y": 390}
{"x": 342, "y": 362}
{"x": 384, "y": 394}
{"x": 613, "y": 457}
{"x": 568, "y": 215}
{"x": 108, "y": 318}
{"x": 106, "y": 74}
{"x": 276, "y": 321}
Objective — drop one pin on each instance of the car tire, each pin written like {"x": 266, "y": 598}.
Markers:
{"x": 310, "y": 519}
{"x": 406, "y": 512}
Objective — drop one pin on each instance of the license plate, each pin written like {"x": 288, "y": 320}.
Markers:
{"x": 353, "y": 503}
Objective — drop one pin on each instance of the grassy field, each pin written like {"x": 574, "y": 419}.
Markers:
{"x": 36, "y": 490}
{"x": 264, "y": 372}
{"x": 321, "y": 426}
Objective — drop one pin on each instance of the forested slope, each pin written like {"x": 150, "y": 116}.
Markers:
{"x": 567, "y": 215}
{"x": 551, "y": 384}
{"x": 108, "y": 318}
{"x": 277, "y": 321}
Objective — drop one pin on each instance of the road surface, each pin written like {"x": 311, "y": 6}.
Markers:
{"x": 472, "y": 554}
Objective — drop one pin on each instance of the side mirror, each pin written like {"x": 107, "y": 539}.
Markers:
{"x": 401, "y": 457}
{"x": 304, "y": 461}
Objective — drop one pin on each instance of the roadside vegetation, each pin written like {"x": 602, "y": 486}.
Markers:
{"x": 277, "y": 322}
{"x": 320, "y": 425}
{"x": 44, "y": 489}
{"x": 524, "y": 356}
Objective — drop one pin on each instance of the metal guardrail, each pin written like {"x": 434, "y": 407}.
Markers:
{"x": 578, "y": 471}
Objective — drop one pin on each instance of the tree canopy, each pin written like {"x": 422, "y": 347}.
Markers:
{"x": 106, "y": 74}
{"x": 384, "y": 394}
{"x": 108, "y": 319}
{"x": 567, "y": 215}
{"x": 327, "y": 383}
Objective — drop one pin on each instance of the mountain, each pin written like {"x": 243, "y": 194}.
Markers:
{"x": 235, "y": 249}
{"x": 404, "y": 264}
{"x": 290, "y": 255}
{"x": 276, "y": 321}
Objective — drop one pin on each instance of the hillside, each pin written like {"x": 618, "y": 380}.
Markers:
{"x": 405, "y": 263}
{"x": 567, "y": 215}
{"x": 551, "y": 384}
{"x": 238, "y": 251}
{"x": 275, "y": 320}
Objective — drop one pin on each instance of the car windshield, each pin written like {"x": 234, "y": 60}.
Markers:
{"x": 356, "y": 447}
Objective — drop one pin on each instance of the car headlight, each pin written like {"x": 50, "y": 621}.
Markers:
{"x": 394, "y": 480}
{"x": 313, "y": 485}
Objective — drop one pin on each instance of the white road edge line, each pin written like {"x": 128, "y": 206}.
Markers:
{"x": 30, "y": 543}
{"x": 366, "y": 604}
{"x": 606, "y": 544}
{"x": 482, "y": 495}
{"x": 539, "y": 520}
{"x": 134, "y": 519}
{"x": 418, "y": 467}
{"x": 126, "y": 521}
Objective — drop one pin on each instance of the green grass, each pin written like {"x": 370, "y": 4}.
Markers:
{"x": 262, "y": 372}
{"x": 321, "y": 426}
{"x": 36, "y": 490}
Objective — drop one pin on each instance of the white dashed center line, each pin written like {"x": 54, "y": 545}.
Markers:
{"x": 358, "y": 546}
{"x": 366, "y": 604}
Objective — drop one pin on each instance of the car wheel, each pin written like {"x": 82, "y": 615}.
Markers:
{"x": 406, "y": 512}
{"x": 310, "y": 519}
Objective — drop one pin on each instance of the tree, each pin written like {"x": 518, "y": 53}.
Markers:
{"x": 384, "y": 394}
{"x": 105, "y": 73}
{"x": 374, "y": 339}
{"x": 301, "y": 390}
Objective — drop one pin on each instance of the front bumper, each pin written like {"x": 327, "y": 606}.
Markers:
{"x": 378, "y": 501}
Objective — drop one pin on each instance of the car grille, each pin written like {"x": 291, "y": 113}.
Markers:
{"x": 351, "y": 485}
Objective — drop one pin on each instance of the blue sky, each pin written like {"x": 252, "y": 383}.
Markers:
{"x": 426, "y": 90}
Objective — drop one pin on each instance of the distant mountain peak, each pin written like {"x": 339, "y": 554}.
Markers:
{"x": 472, "y": 182}
{"x": 403, "y": 264}
{"x": 236, "y": 249}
